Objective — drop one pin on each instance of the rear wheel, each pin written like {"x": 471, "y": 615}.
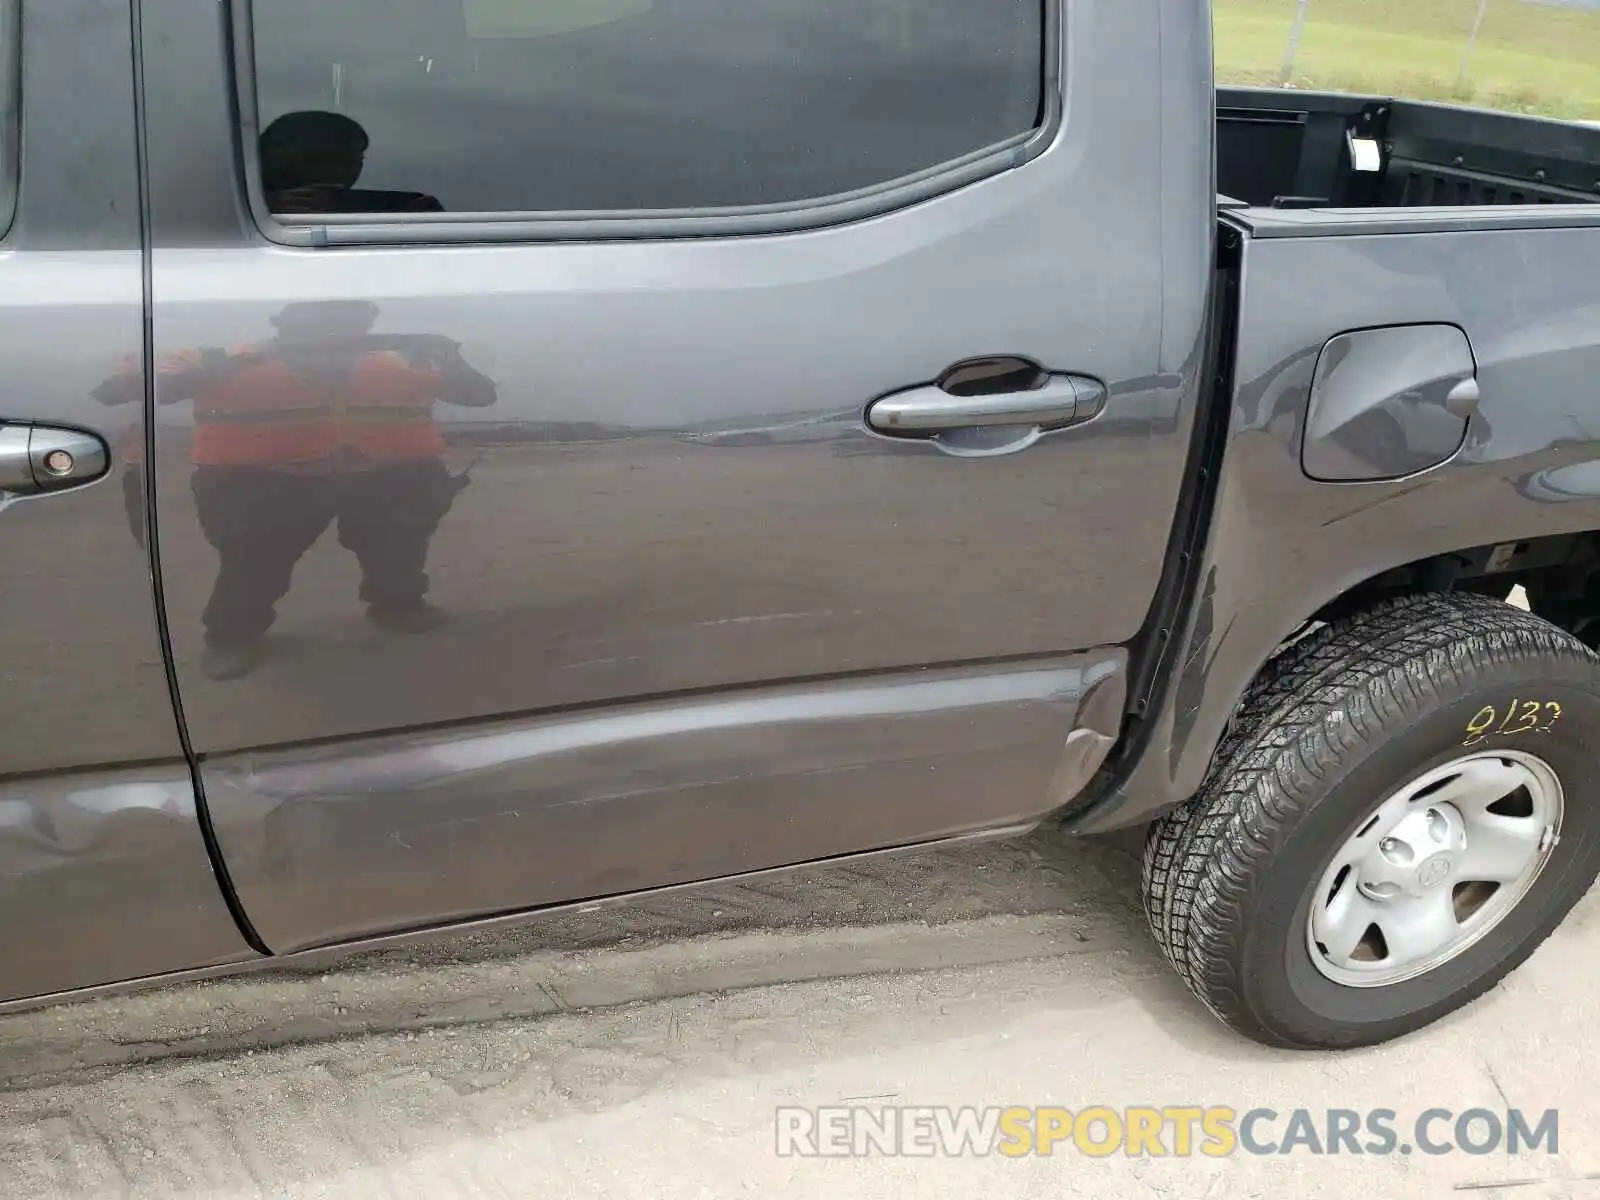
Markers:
{"x": 1403, "y": 810}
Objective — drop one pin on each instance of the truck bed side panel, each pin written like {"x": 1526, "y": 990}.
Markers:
{"x": 1282, "y": 546}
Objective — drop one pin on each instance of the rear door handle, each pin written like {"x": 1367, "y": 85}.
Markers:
{"x": 1059, "y": 401}
{"x": 43, "y": 458}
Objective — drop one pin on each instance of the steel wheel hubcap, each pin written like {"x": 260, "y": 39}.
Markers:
{"x": 1435, "y": 867}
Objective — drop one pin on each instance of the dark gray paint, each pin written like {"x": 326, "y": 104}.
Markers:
{"x": 103, "y": 876}
{"x": 689, "y": 587}
{"x": 1281, "y": 546}
{"x": 1388, "y": 402}
{"x": 334, "y": 842}
{"x": 77, "y": 621}
{"x": 675, "y": 491}
{"x": 621, "y": 559}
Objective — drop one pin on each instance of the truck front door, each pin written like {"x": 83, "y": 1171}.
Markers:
{"x": 104, "y": 874}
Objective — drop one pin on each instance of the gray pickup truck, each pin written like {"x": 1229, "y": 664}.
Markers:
{"x": 463, "y": 457}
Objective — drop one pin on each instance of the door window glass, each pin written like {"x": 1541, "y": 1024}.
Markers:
{"x": 629, "y": 105}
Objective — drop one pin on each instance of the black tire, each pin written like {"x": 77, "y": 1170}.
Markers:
{"x": 1337, "y": 722}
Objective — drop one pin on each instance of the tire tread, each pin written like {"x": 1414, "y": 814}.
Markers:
{"x": 1333, "y": 693}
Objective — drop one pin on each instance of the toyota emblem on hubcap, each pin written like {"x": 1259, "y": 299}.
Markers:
{"x": 1435, "y": 871}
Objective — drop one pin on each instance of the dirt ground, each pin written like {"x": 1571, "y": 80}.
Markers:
{"x": 644, "y": 1052}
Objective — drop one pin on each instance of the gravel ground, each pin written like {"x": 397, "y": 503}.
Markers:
{"x": 552, "y": 1063}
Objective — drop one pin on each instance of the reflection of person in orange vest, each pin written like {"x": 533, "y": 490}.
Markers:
{"x": 326, "y": 422}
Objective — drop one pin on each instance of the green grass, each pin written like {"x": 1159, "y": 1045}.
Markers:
{"x": 1529, "y": 57}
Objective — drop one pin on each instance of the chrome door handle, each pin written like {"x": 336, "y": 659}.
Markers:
{"x": 1059, "y": 401}
{"x": 43, "y": 458}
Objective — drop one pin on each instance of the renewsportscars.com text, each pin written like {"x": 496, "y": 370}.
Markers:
{"x": 1099, "y": 1131}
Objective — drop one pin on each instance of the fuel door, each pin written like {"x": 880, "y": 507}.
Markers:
{"x": 1389, "y": 402}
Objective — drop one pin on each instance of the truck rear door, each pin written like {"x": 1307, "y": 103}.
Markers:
{"x": 516, "y": 373}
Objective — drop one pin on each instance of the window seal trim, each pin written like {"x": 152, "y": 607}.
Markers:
{"x": 454, "y": 228}
{"x": 10, "y": 112}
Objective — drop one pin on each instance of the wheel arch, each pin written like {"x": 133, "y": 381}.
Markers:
{"x": 1167, "y": 745}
